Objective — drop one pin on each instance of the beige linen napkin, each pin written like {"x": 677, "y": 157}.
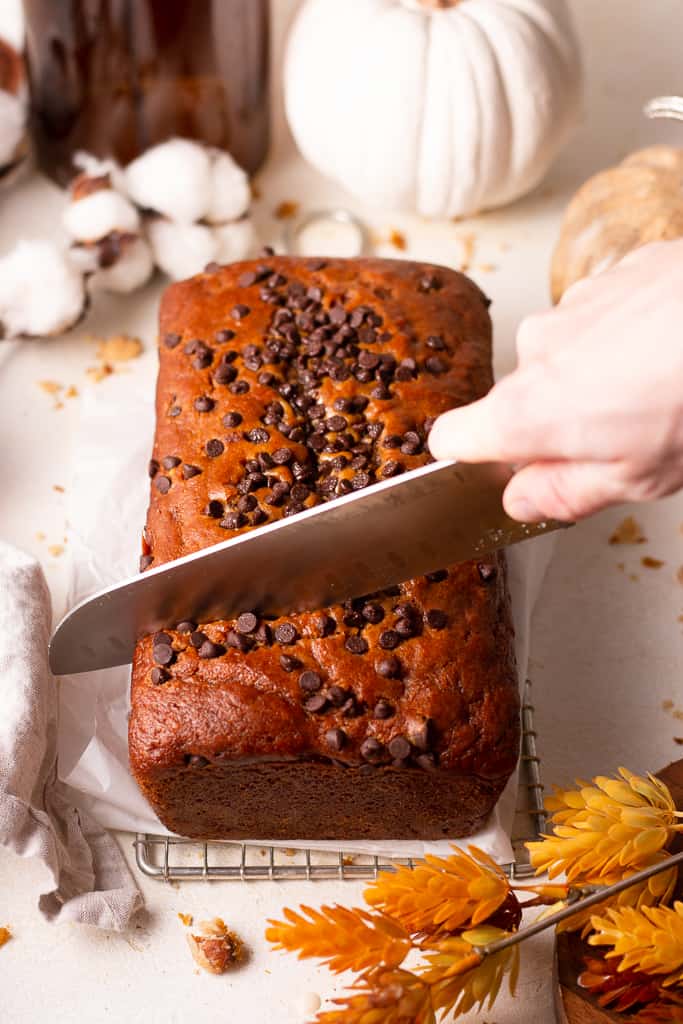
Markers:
{"x": 86, "y": 877}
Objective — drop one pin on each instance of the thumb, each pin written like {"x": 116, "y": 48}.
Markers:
{"x": 562, "y": 490}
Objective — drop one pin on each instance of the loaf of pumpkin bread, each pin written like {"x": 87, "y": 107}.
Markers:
{"x": 283, "y": 383}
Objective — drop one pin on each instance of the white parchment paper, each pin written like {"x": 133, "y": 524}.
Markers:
{"x": 107, "y": 502}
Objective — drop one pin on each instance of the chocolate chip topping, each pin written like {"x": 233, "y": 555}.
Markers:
{"x": 159, "y": 676}
{"x": 210, "y": 650}
{"x": 389, "y": 668}
{"x": 437, "y": 577}
{"x": 486, "y": 572}
{"x": 310, "y": 681}
{"x": 436, "y": 618}
{"x": 215, "y": 509}
{"x": 171, "y": 340}
{"x": 170, "y": 461}
{"x": 214, "y": 448}
{"x": 372, "y": 750}
{"x": 288, "y": 663}
{"x": 421, "y": 734}
{"x": 186, "y": 626}
{"x": 399, "y": 748}
{"x": 246, "y": 623}
{"x": 197, "y": 638}
{"x": 356, "y": 645}
{"x": 196, "y": 761}
{"x": 152, "y": 468}
{"x": 239, "y": 311}
{"x": 163, "y": 654}
{"x": 231, "y": 420}
{"x": 389, "y": 639}
{"x": 335, "y": 739}
{"x": 316, "y": 704}
{"x": 145, "y": 562}
{"x": 189, "y": 471}
{"x": 162, "y": 484}
{"x": 203, "y": 403}
{"x": 286, "y": 633}
{"x": 383, "y": 709}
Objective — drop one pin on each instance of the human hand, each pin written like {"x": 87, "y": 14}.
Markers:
{"x": 593, "y": 414}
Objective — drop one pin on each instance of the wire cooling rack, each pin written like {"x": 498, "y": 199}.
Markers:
{"x": 170, "y": 858}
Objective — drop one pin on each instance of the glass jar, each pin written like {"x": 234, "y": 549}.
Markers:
{"x": 114, "y": 77}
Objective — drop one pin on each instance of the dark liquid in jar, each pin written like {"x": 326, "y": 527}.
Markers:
{"x": 114, "y": 77}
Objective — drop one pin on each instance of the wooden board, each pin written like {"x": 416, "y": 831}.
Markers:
{"x": 574, "y": 1004}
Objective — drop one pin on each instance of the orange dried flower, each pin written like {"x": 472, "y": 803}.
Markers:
{"x": 389, "y": 997}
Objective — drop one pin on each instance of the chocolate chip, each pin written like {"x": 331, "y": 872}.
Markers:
{"x": 310, "y": 681}
{"x": 372, "y": 612}
{"x": 212, "y": 267}
{"x": 159, "y": 676}
{"x": 426, "y": 761}
{"x": 299, "y": 492}
{"x": 325, "y": 624}
{"x": 224, "y": 374}
{"x": 391, "y": 468}
{"x": 389, "y": 667}
{"x": 215, "y": 509}
{"x": 152, "y": 468}
{"x": 486, "y": 572}
{"x": 336, "y": 423}
{"x": 405, "y": 628}
{"x": 436, "y": 618}
{"x": 337, "y": 314}
{"x": 246, "y": 623}
{"x": 233, "y": 521}
{"x": 381, "y": 394}
{"x": 214, "y": 448}
{"x": 421, "y": 734}
{"x": 389, "y": 639}
{"x": 162, "y": 638}
{"x": 316, "y": 264}
{"x": 174, "y": 411}
{"x": 429, "y": 283}
{"x": 360, "y": 480}
{"x": 288, "y": 663}
{"x": 281, "y": 456}
{"x": 264, "y": 634}
{"x": 335, "y": 739}
{"x": 224, "y": 335}
{"x": 392, "y": 441}
{"x": 247, "y": 503}
{"x": 196, "y": 761}
{"x": 437, "y": 577}
{"x": 197, "y": 638}
{"x": 170, "y": 461}
{"x": 189, "y": 471}
{"x": 257, "y": 435}
{"x": 203, "y": 357}
{"x": 186, "y": 626}
{"x": 436, "y": 342}
{"x": 247, "y": 279}
{"x": 356, "y": 645}
{"x": 372, "y": 750}
{"x": 368, "y": 360}
{"x": 286, "y": 633}
{"x": 163, "y": 654}
{"x": 337, "y": 695}
{"x": 436, "y": 365}
{"x": 399, "y": 748}
{"x": 210, "y": 650}
{"x": 162, "y": 484}
{"x": 316, "y": 703}
{"x": 239, "y": 387}
{"x": 238, "y": 641}
{"x": 239, "y": 311}
{"x": 203, "y": 403}
{"x": 383, "y": 709}
{"x": 145, "y": 562}
{"x": 171, "y": 340}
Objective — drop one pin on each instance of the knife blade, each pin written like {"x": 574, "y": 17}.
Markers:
{"x": 412, "y": 524}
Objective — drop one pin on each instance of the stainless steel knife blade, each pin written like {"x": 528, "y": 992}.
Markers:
{"x": 400, "y": 528}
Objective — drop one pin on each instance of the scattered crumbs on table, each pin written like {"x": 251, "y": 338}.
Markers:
{"x": 651, "y": 563}
{"x": 119, "y": 348}
{"x": 347, "y": 859}
{"x": 286, "y": 209}
{"x": 678, "y": 715}
{"x": 678, "y": 740}
{"x": 289, "y": 852}
{"x": 50, "y": 387}
{"x": 98, "y": 373}
{"x": 397, "y": 239}
{"x": 468, "y": 244}
{"x": 40, "y": 535}
{"x": 634, "y": 577}
{"x": 621, "y": 566}
{"x": 5, "y": 935}
{"x": 628, "y": 532}
{"x": 55, "y": 550}
{"x": 187, "y": 919}
{"x": 487, "y": 268}
{"x": 215, "y": 948}
{"x": 58, "y": 488}
{"x": 262, "y": 852}
{"x": 679, "y": 574}
{"x": 71, "y": 392}
{"x": 667, "y": 705}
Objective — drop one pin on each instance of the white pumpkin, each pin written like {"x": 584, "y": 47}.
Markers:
{"x": 443, "y": 107}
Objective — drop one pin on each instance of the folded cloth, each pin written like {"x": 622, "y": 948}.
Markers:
{"x": 86, "y": 877}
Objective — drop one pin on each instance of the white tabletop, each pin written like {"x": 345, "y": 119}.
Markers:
{"x": 606, "y": 648}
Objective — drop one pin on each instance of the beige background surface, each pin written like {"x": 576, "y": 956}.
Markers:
{"x": 607, "y": 642}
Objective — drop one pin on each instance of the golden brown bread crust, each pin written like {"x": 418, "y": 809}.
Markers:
{"x": 391, "y": 717}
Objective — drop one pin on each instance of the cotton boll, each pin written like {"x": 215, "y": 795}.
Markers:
{"x": 230, "y": 194}
{"x": 234, "y": 241}
{"x": 173, "y": 179}
{"x": 98, "y": 214}
{"x": 100, "y": 167}
{"x": 181, "y": 250}
{"x": 118, "y": 263}
{"x": 41, "y": 292}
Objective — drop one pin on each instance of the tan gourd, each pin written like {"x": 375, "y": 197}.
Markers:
{"x": 638, "y": 201}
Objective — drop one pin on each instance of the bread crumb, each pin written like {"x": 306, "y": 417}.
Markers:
{"x": 487, "y": 268}
{"x": 468, "y": 244}
{"x": 56, "y": 550}
{"x": 678, "y": 740}
{"x": 58, "y": 488}
{"x": 119, "y": 348}
{"x": 5, "y": 935}
{"x": 215, "y": 948}
{"x": 286, "y": 209}
{"x": 397, "y": 239}
{"x": 621, "y": 566}
{"x": 348, "y": 859}
{"x": 679, "y": 575}
{"x": 71, "y": 392}
{"x": 651, "y": 563}
{"x": 628, "y": 532}
{"x": 678, "y": 715}
{"x": 40, "y": 535}
{"x": 98, "y": 373}
{"x": 50, "y": 387}
{"x": 634, "y": 577}
{"x": 667, "y": 705}
{"x": 186, "y": 919}
{"x": 289, "y": 852}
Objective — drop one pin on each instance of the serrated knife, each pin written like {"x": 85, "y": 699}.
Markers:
{"x": 395, "y": 530}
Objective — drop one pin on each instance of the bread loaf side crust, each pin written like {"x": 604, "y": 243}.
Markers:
{"x": 397, "y": 716}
